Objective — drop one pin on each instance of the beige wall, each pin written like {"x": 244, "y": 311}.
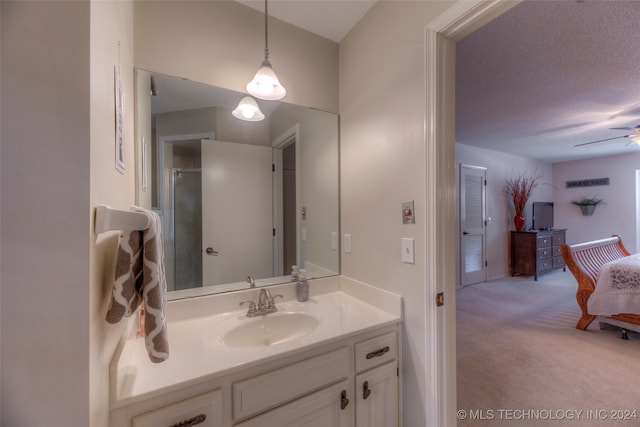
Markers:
{"x": 45, "y": 207}
{"x": 618, "y": 215}
{"x": 318, "y": 178}
{"x": 111, "y": 46}
{"x": 500, "y": 166}
{"x": 58, "y": 76}
{"x": 382, "y": 110}
{"x": 144, "y": 133}
{"x": 222, "y": 43}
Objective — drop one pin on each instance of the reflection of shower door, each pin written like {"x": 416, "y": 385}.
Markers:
{"x": 187, "y": 227}
{"x": 237, "y": 213}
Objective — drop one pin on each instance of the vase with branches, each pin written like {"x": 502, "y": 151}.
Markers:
{"x": 518, "y": 189}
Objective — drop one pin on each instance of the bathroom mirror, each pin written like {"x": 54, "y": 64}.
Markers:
{"x": 236, "y": 198}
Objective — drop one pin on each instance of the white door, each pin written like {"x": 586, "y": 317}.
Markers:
{"x": 472, "y": 225}
{"x": 237, "y": 224}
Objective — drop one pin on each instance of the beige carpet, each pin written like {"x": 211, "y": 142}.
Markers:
{"x": 521, "y": 362}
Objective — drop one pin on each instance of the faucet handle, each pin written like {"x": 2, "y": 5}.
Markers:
{"x": 252, "y": 306}
{"x": 272, "y": 303}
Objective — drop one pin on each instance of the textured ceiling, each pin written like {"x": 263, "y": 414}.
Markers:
{"x": 548, "y": 75}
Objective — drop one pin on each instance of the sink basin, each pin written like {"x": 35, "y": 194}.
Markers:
{"x": 266, "y": 331}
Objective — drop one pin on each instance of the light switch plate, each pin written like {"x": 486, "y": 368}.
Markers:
{"x": 334, "y": 241}
{"x": 407, "y": 251}
{"x": 347, "y": 243}
{"x": 303, "y": 234}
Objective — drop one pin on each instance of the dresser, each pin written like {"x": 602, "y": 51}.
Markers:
{"x": 536, "y": 252}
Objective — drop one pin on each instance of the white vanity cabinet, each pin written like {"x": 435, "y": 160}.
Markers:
{"x": 323, "y": 386}
{"x": 329, "y": 407}
{"x": 204, "y": 411}
{"x": 377, "y": 381}
{"x": 343, "y": 370}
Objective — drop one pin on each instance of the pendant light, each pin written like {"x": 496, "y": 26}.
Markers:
{"x": 248, "y": 110}
{"x": 265, "y": 84}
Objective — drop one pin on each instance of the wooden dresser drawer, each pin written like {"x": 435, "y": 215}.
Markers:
{"x": 544, "y": 241}
{"x": 558, "y": 238}
{"x": 376, "y": 351}
{"x": 545, "y": 264}
{"x": 282, "y": 385}
{"x": 204, "y": 411}
{"x": 544, "y": 253}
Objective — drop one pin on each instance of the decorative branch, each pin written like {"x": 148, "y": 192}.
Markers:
{"x": 519, "y": 189}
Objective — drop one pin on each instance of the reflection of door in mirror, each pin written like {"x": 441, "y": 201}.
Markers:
{"x": 237, "y": 213}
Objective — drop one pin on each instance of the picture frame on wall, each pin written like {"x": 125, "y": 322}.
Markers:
{"x": 119, "y": 123}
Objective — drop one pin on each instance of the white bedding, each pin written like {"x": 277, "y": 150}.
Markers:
{"x": 618, "y": 288}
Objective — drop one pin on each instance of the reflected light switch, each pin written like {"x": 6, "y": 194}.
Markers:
{"x": 407, "y": 251}
{"x": 334, "y": 241}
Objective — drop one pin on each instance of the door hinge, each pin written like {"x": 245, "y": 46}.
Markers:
{"x": 486, "y": 264}
{"x": 397, "y": 372}
{"x": 273, "y": 167}
{"x": 485, "y": 182}
{"x": 439, "y": 299}
{"x": 273, "y": 231}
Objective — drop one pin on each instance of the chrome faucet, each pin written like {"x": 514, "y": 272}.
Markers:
{"x": 266, "y": 304}
{"x": 251, "y": 282}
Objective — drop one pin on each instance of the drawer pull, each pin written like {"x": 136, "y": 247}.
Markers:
{"x": 377, "y": 353}
{"x": 343, "y": 399}
{"x": 365, "y": 390}
{"x": 198, "y": 419}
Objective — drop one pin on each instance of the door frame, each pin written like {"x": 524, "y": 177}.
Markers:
{"x": 160, "y": 172}
{"x": 460, "y": 19}
{"x": 278, "y": 144}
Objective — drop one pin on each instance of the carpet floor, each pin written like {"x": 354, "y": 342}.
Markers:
{"x": 522, "y": 362}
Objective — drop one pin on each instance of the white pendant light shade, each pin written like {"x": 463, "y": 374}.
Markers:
{"x": 248, "y": 110}
{"x": 265, "y": 84}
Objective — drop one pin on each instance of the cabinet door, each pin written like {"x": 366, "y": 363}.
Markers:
{"x": 377, "y": 397}
{"x": 329, "y": 407}
{"x": 204, "y": 411}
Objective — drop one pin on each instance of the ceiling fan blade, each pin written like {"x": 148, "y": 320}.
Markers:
{"x": 636, "y": 128}
{"x": 602, "y": 140}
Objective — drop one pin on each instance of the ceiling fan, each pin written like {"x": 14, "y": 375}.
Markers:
{"x": 635, "y": 137}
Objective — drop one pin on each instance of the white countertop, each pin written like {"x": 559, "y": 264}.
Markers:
{"x": 344, "y": 307}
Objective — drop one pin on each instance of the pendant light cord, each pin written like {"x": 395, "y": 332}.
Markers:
{"x": 266, "y": 32}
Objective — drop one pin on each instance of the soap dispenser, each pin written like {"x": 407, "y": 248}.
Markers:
{"x": 294, "y": 273}
{"x": 302, "y": 286}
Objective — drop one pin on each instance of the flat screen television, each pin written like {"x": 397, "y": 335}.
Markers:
{"x": 542, "y": 216}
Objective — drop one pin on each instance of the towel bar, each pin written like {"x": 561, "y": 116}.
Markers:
{"x": 108, "y": 219}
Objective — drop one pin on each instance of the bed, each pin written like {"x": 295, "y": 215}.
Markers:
{"x": 605, "y": 265}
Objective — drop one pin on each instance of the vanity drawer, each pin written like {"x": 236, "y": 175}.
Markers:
{"x": 376, "y": 351}
{"x": 202, "y": 411}
{"x": 282, "y": 385}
